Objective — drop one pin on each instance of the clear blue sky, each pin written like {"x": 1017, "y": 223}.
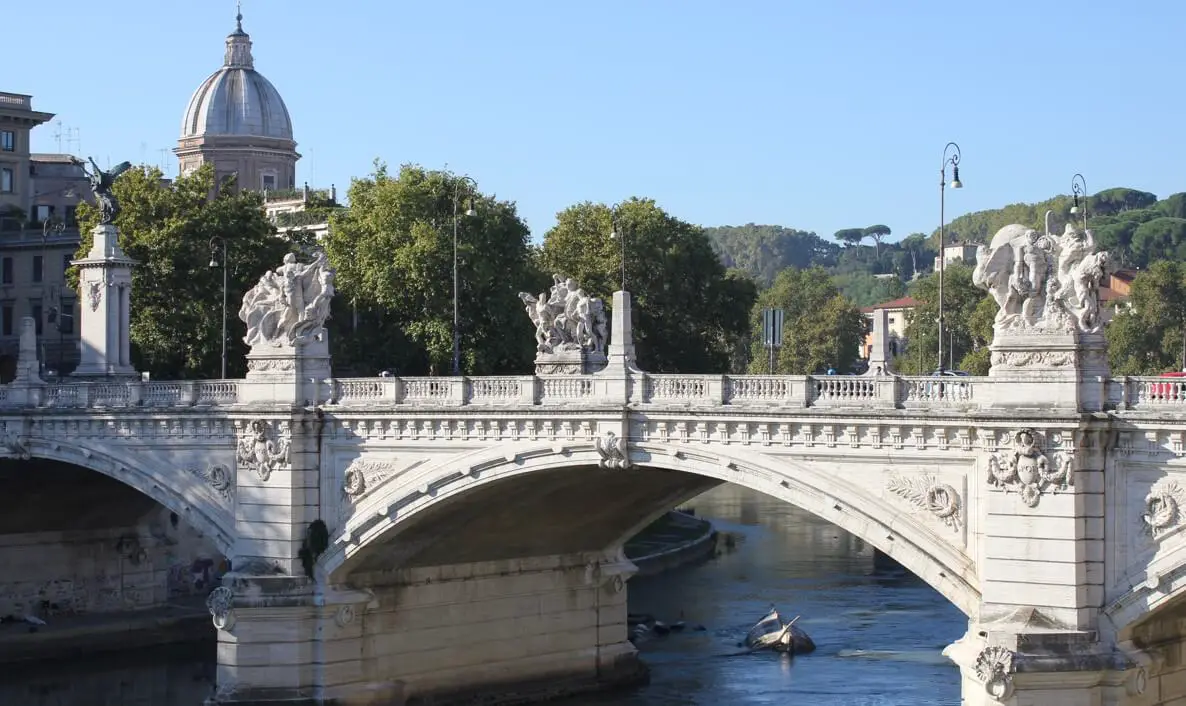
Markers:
{"x": 816, "y": 115}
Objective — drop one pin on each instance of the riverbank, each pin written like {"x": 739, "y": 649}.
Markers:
{"x": 73, "y": 636}
{"x": 674, "y": 540}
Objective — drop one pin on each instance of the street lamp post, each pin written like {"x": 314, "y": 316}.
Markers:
{"x": 218, "y": 243}
{"x": 619, "y": 233}
{"x": 469, "y": 211}
{"x": 54, "y": 227}
{"x": 1079, "y": 189}
{"x": 954, "y": 161}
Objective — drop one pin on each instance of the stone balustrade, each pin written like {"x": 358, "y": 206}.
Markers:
{"x": 820, "y": 392}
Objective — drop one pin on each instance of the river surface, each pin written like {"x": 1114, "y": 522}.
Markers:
{"x": 878, "y": 637}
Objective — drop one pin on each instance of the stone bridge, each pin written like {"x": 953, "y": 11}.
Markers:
{"x": 426, "y": 538}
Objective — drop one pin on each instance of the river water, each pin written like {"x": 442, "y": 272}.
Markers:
{"x": 878, "y": 637}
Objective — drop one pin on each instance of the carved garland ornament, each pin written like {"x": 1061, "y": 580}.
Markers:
{"x": 217, "y": 477}
{"x": 613, "y": 451}
{"x": 363, "y": 475}
{"x": 262, "y": 449}
{"x": 271, "y": 365}
{"x": 1163, "y": 508}
{"x": 221, "y": 604}
{"x": 1027, "y": 470}
{"x": 1021, "y": 359}
{"x": 926, "y": 493}
{"x": 994, "y": 666}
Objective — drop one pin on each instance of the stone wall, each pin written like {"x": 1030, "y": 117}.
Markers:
{"x": 555, "y": 624}
{"x": 101, "y": 547}
{"x": 141, "y": 565}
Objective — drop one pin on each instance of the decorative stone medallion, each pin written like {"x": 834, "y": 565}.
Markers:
{"x": 221, "y": 604}
{"x": 363, "y": 475}
{"x": 262, "y": 449}
{"x": 1027, "y": 470}
{"x": 994, "y": 666}
{"x": 217, "y": 477}
{"x": 1163, "y": 508}
{"x": 344, "y": 616}
{"x": 924, "y": 492}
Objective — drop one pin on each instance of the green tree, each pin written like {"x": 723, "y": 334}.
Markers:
{"x": 850, "y": 236}
{"x": 821, "y": 328}
{"x": 977, "y": 361}
{"x": 1159, "y": 239}
{"x": 393, "y": 252}
{"x": 961, "y": 299}
{"x": 1149, "y": 336}
{"x": 688, "y": 315}
{"x": 877, "y": 233}
{"x": 176, "y": 306}
{"x": 763, "y": 250}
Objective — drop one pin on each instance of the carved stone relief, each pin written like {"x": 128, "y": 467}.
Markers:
{"x": 290, "y": 304}
{"x": 262, "y": 449}
{"x": 613, "y": 451}
{"x": 221, "y": 604}
{"x": 1021, "y": 359}
{"x": 566, "y": 319}
{"x": 95, "y": 294}
{"x": 925, "y": 492}
{"x": 1163, "y": 508}
{"x": 12, "y": 445}
{"x": 277, "y": 365}
{"x": 1027, "y": 470}
{"x": 994, "y": 667}
{"x": 363, "y": 475}
{"x": 219, "y": 478}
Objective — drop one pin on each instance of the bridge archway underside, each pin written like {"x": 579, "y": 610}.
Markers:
{"x": 906, "y": 488}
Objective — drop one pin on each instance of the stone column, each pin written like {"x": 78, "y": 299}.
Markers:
{"x": 105, "y": 278}
{"x": 879, "y": 358}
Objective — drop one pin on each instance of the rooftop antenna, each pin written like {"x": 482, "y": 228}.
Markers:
{"x": 164, "y": 160}
{"x": 143, "y": 152}
{"x": 73, "y": 137}
{"x": 58, "y": 134}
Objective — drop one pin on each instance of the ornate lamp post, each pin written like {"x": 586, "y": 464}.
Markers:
{"x": 954, "y": 161}
{"x": 469, "y": 211}
{"x": 1079, "y": 189}
{"x": 619, "y": 233}
{"x": 217, "y": 243}
{"x": 54, "y": 227}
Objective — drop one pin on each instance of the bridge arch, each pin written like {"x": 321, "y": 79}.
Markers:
{"x": 181, "y": 495}
{"x": 396, "y": 506}
{"x": 1154, "y": 588}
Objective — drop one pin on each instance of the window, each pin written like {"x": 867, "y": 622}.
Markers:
{"x": 269, "y": 182}
{"x": 71, "y": 216}
{"x": 6, "y": 271}
{"x": 44, "y": 213}
{"x": 35, "y": 312}
{"x": 66, "y": 263}
{"x": 7, "y": 141}
{"x": 38, "y": 268}
{"x": 6, "y": 318}
{"x": 6, "y": 181}
{"x": 66, "y": 316}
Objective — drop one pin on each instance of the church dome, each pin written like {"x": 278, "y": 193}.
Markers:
{"x": 237, "y": 100}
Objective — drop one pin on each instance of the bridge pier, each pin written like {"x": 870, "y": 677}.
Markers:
{"x": 536, "y": 627}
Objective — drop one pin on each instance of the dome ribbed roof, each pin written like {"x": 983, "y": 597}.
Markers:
{"x": 237, "y": 99}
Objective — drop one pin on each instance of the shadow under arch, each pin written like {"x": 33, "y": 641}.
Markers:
{"x": 192, "y": 511}
{"x": 395, "y": 507}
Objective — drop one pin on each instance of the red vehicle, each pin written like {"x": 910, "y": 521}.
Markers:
{"x": 1170, "y": 391}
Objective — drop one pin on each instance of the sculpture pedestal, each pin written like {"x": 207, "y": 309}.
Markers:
{"x": 1053, "y": 369}
{"x": 292, "y": 374}
{"x": 569, "y": 363}
{"x": 105, "y": 281}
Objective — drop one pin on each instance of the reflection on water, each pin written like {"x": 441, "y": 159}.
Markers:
{"x": 879, "y": 638}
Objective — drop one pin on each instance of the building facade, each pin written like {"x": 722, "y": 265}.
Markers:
{"x": 39, "y": 197}
{"x": 897, "y": 311}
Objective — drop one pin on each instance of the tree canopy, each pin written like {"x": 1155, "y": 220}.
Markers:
{"x": 690, "y": 315}
{"x": 821, "y": 328}
{"x": 176, "y": 307}
{"x": 1149, "y": 336}
{"x": 393, "y": 252}
{"x": 961, "y": 300}
{"x": 763, "y": 251}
